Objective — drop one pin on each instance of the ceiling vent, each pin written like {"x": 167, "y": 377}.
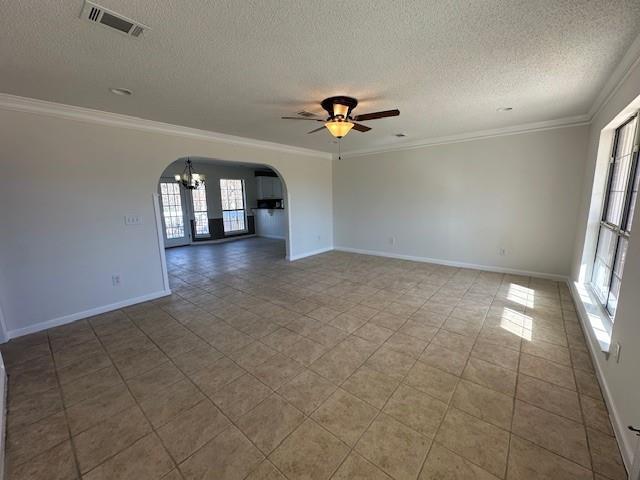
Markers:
{"x": 306, "y": 114}
{"x": 102, "y": 16}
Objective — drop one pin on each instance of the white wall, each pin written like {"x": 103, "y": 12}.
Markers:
{"x": 620, "y": 380}
{"x": 271, "y": 223}
{"x": 69, "y": 183}
{"x": 463, "y": 202}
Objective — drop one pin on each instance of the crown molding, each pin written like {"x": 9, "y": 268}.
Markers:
{"x": 477, "y": 135}
{"x": 627, "y": 64}
{"x": 82, "y": 114}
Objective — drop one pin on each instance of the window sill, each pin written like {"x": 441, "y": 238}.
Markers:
{"x": 594, "y": 317}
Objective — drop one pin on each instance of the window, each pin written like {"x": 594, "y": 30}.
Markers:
{"x": 233, "y": 213}
{"x": 200, "y": 215}
{"x": 617, "y": 215}
{"x": 172, "y": 210}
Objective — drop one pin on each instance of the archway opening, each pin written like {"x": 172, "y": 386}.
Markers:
{"x": 238, "y": 215}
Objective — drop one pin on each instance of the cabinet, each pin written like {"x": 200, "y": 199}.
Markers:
{"x": 269, "y": 187}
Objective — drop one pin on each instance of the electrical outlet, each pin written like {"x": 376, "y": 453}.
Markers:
{"x": 115, "y": 280}
{"x": 502, "y": 251}
{"x": 392, "y": 240}
{"x": 617, "y": 352}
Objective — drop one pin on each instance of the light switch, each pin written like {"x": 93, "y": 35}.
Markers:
{"x": 133, "y": 220}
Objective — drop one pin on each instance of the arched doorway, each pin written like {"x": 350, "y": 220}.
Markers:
{"x": 237, "y": 202}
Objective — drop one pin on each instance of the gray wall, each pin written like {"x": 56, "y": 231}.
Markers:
{"x": 464, "y": 202}
{"x": 214, "y": 172}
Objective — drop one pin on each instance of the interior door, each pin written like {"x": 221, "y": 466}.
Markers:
{"x": 175, "y": 218}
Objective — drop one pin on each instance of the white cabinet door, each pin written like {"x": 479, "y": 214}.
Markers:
{"x": 265, "y": 187}
{"x": 269, "y": 183}
{"x": 269, "y": 187}
{"x": 277, "y": 188}
{"x": 260, "y": 186}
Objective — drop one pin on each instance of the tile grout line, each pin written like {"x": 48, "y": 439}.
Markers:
{"x": 306, "y": 367}
{"x": 381, "y": 410}
{"x": 66, "y": 417}
{"x": 309, "y": 416}
{"x": 450, "y": 402}
{"x": 515, "y": 400}
{"x": 137, "y": 404}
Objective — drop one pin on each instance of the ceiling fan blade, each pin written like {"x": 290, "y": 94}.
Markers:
{"x": 303, "y": 118}
{"x": 317, "y": 129}
{"x": 361, "y": 128}
{"x": 376, "y": 115}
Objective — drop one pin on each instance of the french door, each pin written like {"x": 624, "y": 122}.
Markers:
{"x": 175, "y": 217}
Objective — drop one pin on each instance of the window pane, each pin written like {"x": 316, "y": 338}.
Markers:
{"x": 621, "y": 256}
{"x": 606, "y": 246}
{"x": 600, "y": 280}
{"x": 172, "y": 210}
{"x": 634, "y": 197}
{"x": 625, "y": 139}
{"x": 617, "y": 190}
{"x": 612, "y": 302}
{"x": 201, "y": 223}
{"x": 233, "y": 213}
{"x": 200, "y": 215}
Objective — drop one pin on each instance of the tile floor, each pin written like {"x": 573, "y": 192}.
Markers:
{"x": 337, "y": 366}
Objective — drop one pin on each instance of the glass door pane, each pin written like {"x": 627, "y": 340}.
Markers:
{"x": 173, "y": 214}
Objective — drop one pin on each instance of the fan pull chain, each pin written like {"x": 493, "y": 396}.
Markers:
{"x": 339, "y": 153}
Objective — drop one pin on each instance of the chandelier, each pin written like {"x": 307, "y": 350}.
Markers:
{"x": 190, "y": 180}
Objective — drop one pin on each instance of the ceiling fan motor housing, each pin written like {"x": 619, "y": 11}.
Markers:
{"x": 349, "y": 102}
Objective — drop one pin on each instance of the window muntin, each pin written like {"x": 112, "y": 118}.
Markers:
{"x": 617, "y": 216}
{"x": 233, "y": 211}
{"x": 200, "y": 214}
{"x": 172, "y": 210}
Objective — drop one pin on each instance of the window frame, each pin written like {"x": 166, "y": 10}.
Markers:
{"x": 243, "y": 209}
{"x": 620, "y": 232}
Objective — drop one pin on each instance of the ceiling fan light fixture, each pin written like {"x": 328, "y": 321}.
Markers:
{"x": 338, "y": 128}
{"x": 340, "y": 110}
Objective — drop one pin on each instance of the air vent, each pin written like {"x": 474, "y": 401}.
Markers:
{"x": 102, "y": 16}
{"x": 137, "y": 31}
{"x": 304, "y": 113}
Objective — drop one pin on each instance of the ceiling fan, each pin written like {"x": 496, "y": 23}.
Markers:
{"x": 340, "y": 121}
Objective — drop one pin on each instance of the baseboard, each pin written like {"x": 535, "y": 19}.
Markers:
{"x": 56, "y": 322}
{"x": 275, "y": 237}
{"x": 598, "y": 356}
{"x": 220, "y": 240}
{"x": 293, "y": 258}
{"x": 451, "y": 263}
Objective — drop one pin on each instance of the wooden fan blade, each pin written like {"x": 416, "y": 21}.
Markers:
{"x": 303, "y": 118}
{"x": 361, "y": 128}
{"x": 376, "y": 115}
{"x": 317, "y": 129}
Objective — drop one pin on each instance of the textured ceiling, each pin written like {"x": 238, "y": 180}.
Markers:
{"x": 236, "y": 66}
